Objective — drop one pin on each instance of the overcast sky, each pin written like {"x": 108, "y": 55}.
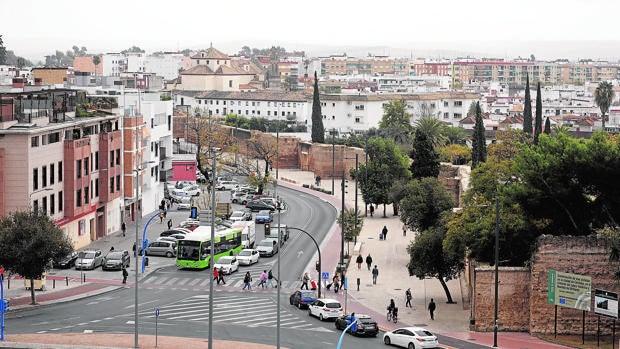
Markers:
{"x": 503, "y": 28}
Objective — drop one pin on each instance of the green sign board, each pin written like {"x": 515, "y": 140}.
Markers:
{"x": 569, "y": 290}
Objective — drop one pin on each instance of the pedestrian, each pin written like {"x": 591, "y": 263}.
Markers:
{"x": 134, "y": 249}
{"x": 372, "y": 210}
{"x": 316, "y": 180}
{"x": 216, "y": 275}
{"x": 404, "y": 230}
{"x": 123, "y": 228}
{"x": 263, "y": 279}
{"x": 431, "y": 309}
{"x": 111, "y": 248}
{"x": 270, "y": 279}
{"x": 375, "y": 273}
{"x": 384, "y": 232}
{"x": 220, "y": 274}
{"x": 165, "y": 213}
{"x": 161, "y": 217}
{"x": 304, "y": 281}
{"x": 247, "y": 281}
{"x": 168, "y": 204}
{"x": 169, "y": 223}
{"x": 359, "y": 261}
{"x": 336, "y": 283}
{"x": 408, "y": 297}
{"x": 368, "y": 261}
{"x": 125, "y": 274}
{"x": 319, "y": 177}
{"x": 162, "y": 205}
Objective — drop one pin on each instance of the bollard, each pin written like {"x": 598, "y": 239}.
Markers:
{"x": 358, "y": 284}
{"x": 84, "y": 278}
{"x": 8, "y": 282}
{"x": 67, "y": 280}
{"x": 54, "y": 283}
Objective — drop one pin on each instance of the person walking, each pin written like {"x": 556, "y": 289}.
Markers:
{"x": 359, "y": 261}
{"x": 404, "y": 230}
{"x": 123, "y": 228}
{"x": 169, "y": 223}
{"x": 304, "y": 281}
{"x": 220, "y": 275}
{"x": 372, "y": 210}
{"x": 263, "y": 279}
{"x": 336, "y": 283}
{"x": 125, "y": 274}
{"x": 134, "y": 249}
{"x": 270, "y": 279}
{"x": 375, "y": 273}
{"x": 161, "y": 217}
{"x": 368, "y": 261}
{"x": 431, "y": 309}
{"x": 384, "y": 232}
{"x": 216, "y": 275}
{"x": 408, "y": 298}
{"x": 247, "y": 281}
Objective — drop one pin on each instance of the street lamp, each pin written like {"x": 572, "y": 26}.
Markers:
{"x": 495, "y": 324}
{"x": 135, "y": 286}
{"x": 212, "y": 248}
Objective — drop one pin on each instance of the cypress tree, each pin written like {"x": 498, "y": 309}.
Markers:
{"x": 318, "y": 131}
{"x": 547, "y": 126}
{"x": 527, "y": 108}
{"x": 425, "y": 157}
{"x": 479, "y": 142}
{"x": 538, "y": 123}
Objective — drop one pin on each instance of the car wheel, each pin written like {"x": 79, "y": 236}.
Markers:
{"x": 299, "y": 305}
{"x": 290, "y": 301}
{"x": 321, "y": 317}
{"x": 169, "y": 254}
{"x": 386, "y": 340}
{"x": 411, "y": 346}
{"x": 309, "y": 312}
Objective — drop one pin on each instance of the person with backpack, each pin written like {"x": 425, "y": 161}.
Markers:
{"x": 359, "y": 261}
{"x": 247, "y": 281}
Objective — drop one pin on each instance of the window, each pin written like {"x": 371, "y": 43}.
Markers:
{"x": 96, "y": 160}
{"x": 85, "y": 166}
{"x": 51, "y": 173}
{"x": 445, "y": 104}
{"x": 118, "y": 183}
{"x": 458, "y": 103}
{"x": 86, "y": 196}
{"x": 44, "y": 176}
{"x": 35, "y": 179}
{"x": 78, "y": 168}
{"x": 35, "y": 205}
{"x": 446, "y": 115}
{"x": 78, "y": 198}
{"x": 53, "y": 137}
{"x": 111, "y": 158}
{"x": 60, "y": 201}
{"x": 34, "y": 142}
{"x": 458, "y": 115}
{"x": 229, "y": 83}
{"x": 44, "y": 205}
{"x": 111, "y": 185}
{"x": 118, "y": 156}
{"x": 60, "y": 171}
{"x": 97, "y": 187}
{"x": 52, "y": 204}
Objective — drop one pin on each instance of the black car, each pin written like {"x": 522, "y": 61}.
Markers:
{"x": 171, "y": 232}
{"x": 68, "y": 261}
{"x": 116, "y": 260}
{"x": 257, "y": 205}
{"x": 366, "y": 326}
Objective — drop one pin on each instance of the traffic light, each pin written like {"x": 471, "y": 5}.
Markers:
{"x": 318, "y": 269}
{"x": 267, "y": 229}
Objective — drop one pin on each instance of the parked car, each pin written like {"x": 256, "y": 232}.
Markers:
{"x": 89, "y": 259}
{"x": 411, "y": 337}
{"x": 325, "y": 308}
{"x": 248, "y": 256}
{"x": 264, "y": 216}
{"x": 174, "y": 231}
{"x": 241, "y": 216}
{"x": 167, "y": 238}
{"x": 68, "y": 261}
{"x": 365, "y": 326}
{"x": 270, "y": 201}
{"x": 238, "y": 196}
{"x": 115, "y": 260}
{"x": 302, "y": 298}
{"x": 185, "y": 203}
{"x": 229, "y": 264}
{"x": 161, "y": 248}
{"x": 267, "y": 247}
{"x": 273, "y": 232}
{"x": 257, "y": 205}
{"x": 226, "y": 185}
{"x": 177, "y": 195}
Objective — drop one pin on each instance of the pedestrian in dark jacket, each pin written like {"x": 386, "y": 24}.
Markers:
{"x": 169, "y": 223}
{"x": 408, "y": 296}
{"x": 431, "y": 309}
{"x": 125, "y": 274}
{"x": 372, "y": 210}
{"x": 123, "y": 228}
{"x": 384, "y": 232}
{"x": 368, "y": 261}
{"x": 359, "y": 261}
{"x": 220, "y": 276}
{"x": 375, "y": 273}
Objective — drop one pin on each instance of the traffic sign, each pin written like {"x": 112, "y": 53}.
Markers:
{"x": 157, "y": 312}
{"x": 325, "y": 275}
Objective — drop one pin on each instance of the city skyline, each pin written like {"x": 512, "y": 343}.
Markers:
{"x": 570, "y": 29}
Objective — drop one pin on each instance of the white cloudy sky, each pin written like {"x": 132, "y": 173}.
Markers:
{"x": 35, "y": 28}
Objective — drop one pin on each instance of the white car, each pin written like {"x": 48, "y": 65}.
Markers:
{"x": 238, "y": 216}
{"x": 229, "y": 264}
{"x": 325, "y": 308}
{"x": 411, "y": 337}
{"x": 226, "y": 185}
{"x": 192, "y": 190}
{"x": 185, "y": 203}
{"x": 248, "y": 256}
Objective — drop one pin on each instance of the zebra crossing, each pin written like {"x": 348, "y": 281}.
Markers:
{"x": 251, "y": 311}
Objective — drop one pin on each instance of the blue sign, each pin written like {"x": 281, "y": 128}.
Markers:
{"x": 345, "y": 283}
{"x": 157, "y": 312}
{"x": 325, "y": 275}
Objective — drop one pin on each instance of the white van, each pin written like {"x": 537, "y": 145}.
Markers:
{"x": 248, "y": 234}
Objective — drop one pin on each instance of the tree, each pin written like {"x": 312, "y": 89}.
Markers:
{"x": 425, "y": 157}
{"x": 547, "y": 129}
{"x": 538, "y": 123}
{"x": 396, "y": 122}
{"x": 96, "y": 62}
{"x": 318, "y": 131}
{"x": 427, "y": 258}
{"x": 472, "y": 109}
{"x": 132, "y": 49}
{"x": 2, "y": 51}
{"x": 433, "y": 129}
{"x": 351, "y": 232}
{"x": 479, "y": 141}
{"x": 527, "y": 108}
{"x": 207, "y": 135}
{"x": 264, "y": 149}
{"x": 425, "y": 199}
{"x": 29, "y": 240}
{"x": 603, "y": 96}
{"x": 454, "y": 135}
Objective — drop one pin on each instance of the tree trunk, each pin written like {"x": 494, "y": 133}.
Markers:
{"x": 395, "y": 208}
{"x": 32, "y": 294}
{"x": 446, "y": 290}
{"x": 384, "y": 208}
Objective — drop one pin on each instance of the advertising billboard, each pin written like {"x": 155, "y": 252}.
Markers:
{"x": 606, "y": 303}
{"x": 569, "y": 290}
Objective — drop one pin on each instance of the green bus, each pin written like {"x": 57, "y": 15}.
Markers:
{"x": 194, "y": 252}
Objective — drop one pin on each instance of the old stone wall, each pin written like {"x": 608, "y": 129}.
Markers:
{"x": 449, "y": 177}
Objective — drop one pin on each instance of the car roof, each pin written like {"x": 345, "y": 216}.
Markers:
{"x": 263, "y": 211}
{"x": 328, "y": 300}
{"x": 412, "y": 329}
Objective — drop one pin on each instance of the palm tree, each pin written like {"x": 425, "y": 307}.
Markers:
{"x": 603, "y": 96}
{"x": 96, "y": 61}
{"x": 433, "y": 129}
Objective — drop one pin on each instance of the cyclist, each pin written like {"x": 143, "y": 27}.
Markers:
{"x": 390, "y": 308}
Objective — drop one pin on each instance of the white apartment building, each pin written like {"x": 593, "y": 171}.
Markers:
{"x": 167, "y": 65}
{"x": 113, "y": 64}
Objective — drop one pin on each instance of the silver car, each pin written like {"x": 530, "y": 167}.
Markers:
{"x": 89, "y": 259}
{"x": 161, "y": 248}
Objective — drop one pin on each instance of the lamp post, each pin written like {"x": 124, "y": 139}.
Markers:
{"x": 495, "y": 324}
{"x": 333, "y": 160}
{"x": 135, "y": 286}
{"x": 356, "y": 179}
{"x": 278, "y": 155}
{"x": 342, "y": 229}
{"x": 212, "y": 255}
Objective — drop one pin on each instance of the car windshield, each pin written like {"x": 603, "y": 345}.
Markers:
{"x": 332, "y": 305}
{"x": 265, "y": 243}
{"x": 263, "y": 213}
{"x": 225, "y": 260}
{"x": 87, "y": 255}
{"x": 114, "y": 255}
{"x": 308, "y": 295}
{"x": 237, "y": 214}
{"x": 245, "y": 253}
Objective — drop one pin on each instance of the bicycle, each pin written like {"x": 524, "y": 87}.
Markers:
{"x": 392, "y": 315}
